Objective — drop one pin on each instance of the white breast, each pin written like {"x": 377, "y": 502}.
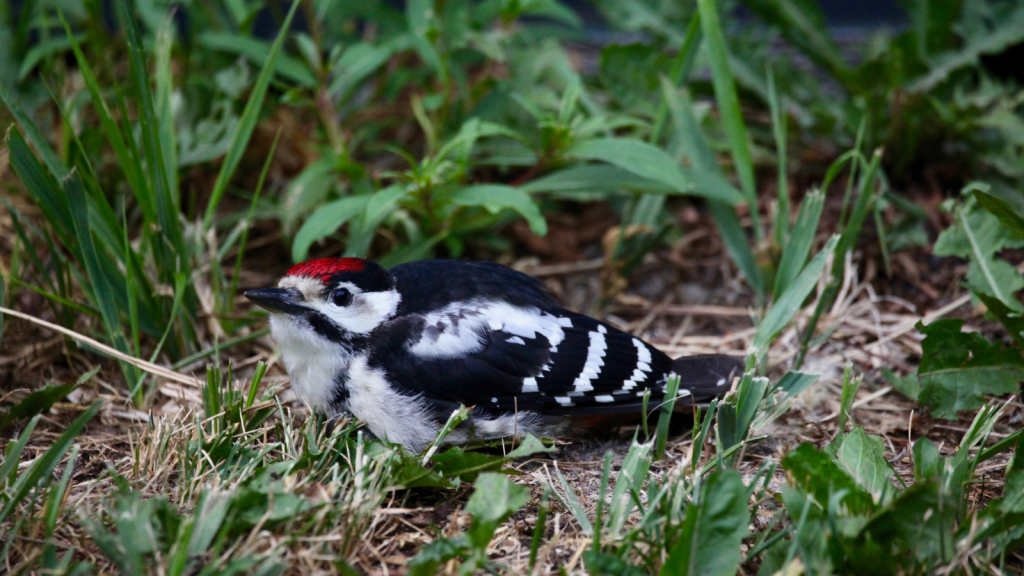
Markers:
{"x": 389, "y": 414}
{"x": 312, "y": 362}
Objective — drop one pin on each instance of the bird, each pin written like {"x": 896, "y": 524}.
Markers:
{"x": 402, "y": 348}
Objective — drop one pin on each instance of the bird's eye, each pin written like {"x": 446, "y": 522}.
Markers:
{"x": 341, "y": 297}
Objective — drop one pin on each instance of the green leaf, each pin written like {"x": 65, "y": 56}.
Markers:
{"x": 495, "y": 198}
{"x": 907, "y": 385}
{"x": 325, "y": 221}
{"x": 927, "y": 461}
{"x": 359, "y": 61}
{"x": 457, "y": 463}
{"x": 649, "y": 162}
{"x": 1001, "y": 209}
{"x": 916, "y": 525}
{"x": 1011, "y": 319}
{"x": 530, "y": 446}
{"x": 260, "y": 53}
{"x": 595, "y": 178}
{"x": 41, "y": 400}
{"x": 787, "y": 305}
{"x": 495, "y": 498}
{"x": 959, "y": 369}
{"x": 820, "y": 476}
{"x": 863, "y": 456}
{"x": 1004, "y": 32}
{"x": 713, "y": 531}
{"x": 979, "y": 235}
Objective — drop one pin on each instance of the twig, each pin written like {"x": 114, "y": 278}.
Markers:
{"x": 153, "y": 369}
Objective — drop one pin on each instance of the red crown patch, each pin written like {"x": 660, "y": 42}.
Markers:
{"x": 324, "y": 268}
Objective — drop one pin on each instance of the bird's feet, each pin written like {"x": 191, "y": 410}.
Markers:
{"x": 333, "y": 421}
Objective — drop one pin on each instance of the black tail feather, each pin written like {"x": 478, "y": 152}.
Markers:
{"x": 706, "y": 376}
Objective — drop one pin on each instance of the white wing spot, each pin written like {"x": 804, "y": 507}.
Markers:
{"x": 604, "y": 398}
{"x": 516, "y": 340}
{"x": 494, "y": 400}
{"x": 595, "y": 360}
{"x": 564, "y": 400}
{"x": 530, "y": 385}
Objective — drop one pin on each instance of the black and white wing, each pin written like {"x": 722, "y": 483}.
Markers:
{"x": 504, "y": 358}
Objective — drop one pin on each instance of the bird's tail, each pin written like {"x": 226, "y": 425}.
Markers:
{"x": 706, "y": 376}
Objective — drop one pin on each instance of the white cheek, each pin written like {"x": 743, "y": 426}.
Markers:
{"x": 366, "y": 312}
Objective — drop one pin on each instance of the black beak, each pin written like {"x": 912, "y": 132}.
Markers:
{"x": 283, "y": 300}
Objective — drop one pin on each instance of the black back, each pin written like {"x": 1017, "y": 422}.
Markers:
{"x": 428, "y": 285}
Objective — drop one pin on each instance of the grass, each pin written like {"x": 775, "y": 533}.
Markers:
{"x": 151, "y": 171}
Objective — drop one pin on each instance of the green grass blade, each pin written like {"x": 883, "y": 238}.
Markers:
{"x": 10, "y": 464}
{"x": 168, "y": 137}
{"x": 736, "y": 242}
{"x": 103, "y": 292}
{"x": 42, "y": 144}
{"x": 45, "y": 464}
{"x": 163, "y": 199}
{"x": 247, "y": 122}
{"x": 3, "y": 302}
{"x": 43, "y": 189}
{"x": 729, "y": 105}
{"x": 668, "y": 405}
{"x": 798, "y": 246}
{"x": 132, "y": 171}
{"x": 783, "y": 209}
{"x": 788, "y": 304}
{"x": 248, "y": 222}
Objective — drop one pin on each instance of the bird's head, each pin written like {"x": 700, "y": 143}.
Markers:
{"x": 336, "y": 298}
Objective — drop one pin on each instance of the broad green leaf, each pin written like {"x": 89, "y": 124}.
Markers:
{"x": 1011, "y": 220}
{"x": 358, "y": 62}
{"x": 260, "y": 53}
{"x": 466, "y": 466}
{"x": 907, "y": 385}
{"x": 978, "y": 235}
{"x": 325, "y": 222}
{"x": 713, "y": 531}
{"x": 787, "y": 305}
{"x": 817, "y": 473}
{"x": 495, "y": 498}
{"x": 598, "y": 178}
{"x": 1011, "y": 319}
{"x": 958, "y": 369}
{"x": 916, "y": 525}
{"x": 863, "y": 456}
{"x": 530, "y": 446}
{"x": 495, "y": 198}
{"x": 1004, "y": 32}
{"x": 648, "y": 162}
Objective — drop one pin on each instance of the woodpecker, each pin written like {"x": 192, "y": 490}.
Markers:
{"x": 401, "y": 349}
